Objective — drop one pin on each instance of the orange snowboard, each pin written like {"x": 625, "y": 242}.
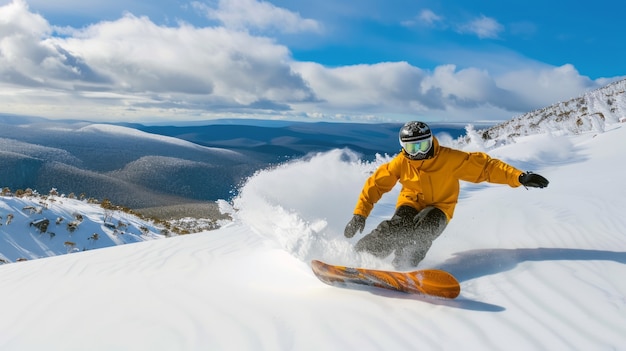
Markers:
{"x": 431, "y": 282}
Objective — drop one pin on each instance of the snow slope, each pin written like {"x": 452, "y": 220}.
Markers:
{"x": 72, "y": 225}
{"x": 540, "y": 269}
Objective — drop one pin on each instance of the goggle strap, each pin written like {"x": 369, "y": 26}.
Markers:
{"x": 417, "y": 138}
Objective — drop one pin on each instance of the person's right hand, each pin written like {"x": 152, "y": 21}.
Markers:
{"x": 357, "y": 223}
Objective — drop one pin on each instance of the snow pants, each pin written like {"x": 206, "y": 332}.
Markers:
{"x": 410, "y": 233}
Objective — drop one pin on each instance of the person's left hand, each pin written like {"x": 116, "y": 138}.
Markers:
{"x": 533, "y": 180}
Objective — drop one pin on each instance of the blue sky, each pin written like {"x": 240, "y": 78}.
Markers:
{"x": 352, "y": 60}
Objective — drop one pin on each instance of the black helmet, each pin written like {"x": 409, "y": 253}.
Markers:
{"x": 416, "y": 140}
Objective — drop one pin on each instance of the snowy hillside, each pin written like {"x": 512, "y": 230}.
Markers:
{"x": 37, "y": 226}
{"x": 539, "y": 268}
{"x": 589, "y": 112}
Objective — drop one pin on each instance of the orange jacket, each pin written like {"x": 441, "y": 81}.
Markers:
{"x": 435, "y": 181}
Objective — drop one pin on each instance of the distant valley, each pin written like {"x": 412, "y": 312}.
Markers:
{"x": 151, "y": 166}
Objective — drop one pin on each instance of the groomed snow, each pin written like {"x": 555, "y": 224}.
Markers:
{"x": 540, "y": 269}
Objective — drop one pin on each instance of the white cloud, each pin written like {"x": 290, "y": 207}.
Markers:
{"x": 27, "y": 57}
{"x": 257, "y": 15}
{"x": 134, "y": 69}
{"x": 363, "y": 87}
{"x": 138, "y": 64}
{"x": 429, "y": 18}
{"x": 483, "y": 27}
{"x": 448, "y": 93}
{"x": 15, "y": 18}
{"x": 425, "y": 18}
{"x": 466, "y": 85}
{"x": 547, "y": 86}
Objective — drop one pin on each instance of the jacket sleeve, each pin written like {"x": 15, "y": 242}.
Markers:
{"x": 480, "y": 167}
{"x": 382, "y": 181}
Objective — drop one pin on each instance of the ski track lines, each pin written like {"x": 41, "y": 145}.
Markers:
{"x": 215, "y": 288}
{"x": 123, "y": 283}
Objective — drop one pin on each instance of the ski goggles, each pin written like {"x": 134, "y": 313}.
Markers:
{"x": 417, "y": 147}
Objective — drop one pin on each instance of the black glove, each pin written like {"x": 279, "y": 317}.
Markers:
{"x": 357, "y": 223}
{"x": 533, "y": 180}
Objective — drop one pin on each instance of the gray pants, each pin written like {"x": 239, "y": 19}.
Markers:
{"x": 410, "y": 233}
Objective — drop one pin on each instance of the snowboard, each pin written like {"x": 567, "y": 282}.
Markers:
{"x": 429, "y": 282}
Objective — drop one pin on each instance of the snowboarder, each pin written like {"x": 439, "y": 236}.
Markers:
{"x": 429, "y": 174}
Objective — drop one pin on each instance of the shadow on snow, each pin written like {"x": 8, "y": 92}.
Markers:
{"x": 477, "y": 263}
